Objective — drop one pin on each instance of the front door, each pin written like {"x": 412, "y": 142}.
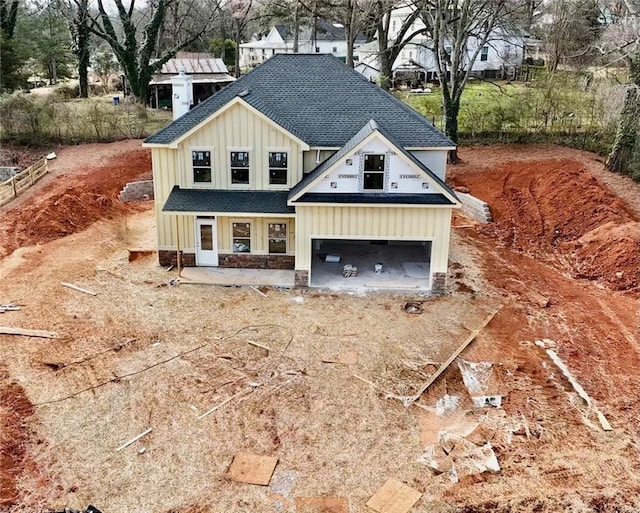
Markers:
{"x": 206, "y": 242}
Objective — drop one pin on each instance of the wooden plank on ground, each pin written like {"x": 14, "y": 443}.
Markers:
{"x": 252, "y": 468}
{"x": 79, "y": 289}
{"x": 455, "y": 354}
{"x": 134, "y": 439}
{"x": 8, "y": 330}
{"x": 322, "y": 505}
{"x": 394, "y": 497}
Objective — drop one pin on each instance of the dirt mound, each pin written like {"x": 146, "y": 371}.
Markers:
{"x": 557, "y": 211}
{"x": 15, "y": 409}
{"x": 60, "y": 209}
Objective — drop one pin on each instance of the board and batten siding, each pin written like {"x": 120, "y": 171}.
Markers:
{"x": 240, "y": 129}
{"x": 368, "y": 223}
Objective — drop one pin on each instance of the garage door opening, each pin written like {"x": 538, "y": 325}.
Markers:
{"x": 384, "y": 264}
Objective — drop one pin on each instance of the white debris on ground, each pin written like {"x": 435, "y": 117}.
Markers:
{"x": 447, "y": 404}
{"x": 481, "y": 382}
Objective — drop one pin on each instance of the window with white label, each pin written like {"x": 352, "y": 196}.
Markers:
{"x": 201, "y": 164}
{"x": 241, "y": 233}
{"x": 277, "y": 238}
{"x": 278, "y": 168}
{"x": 373, "y": 172}
{"x": 239, "y": 167}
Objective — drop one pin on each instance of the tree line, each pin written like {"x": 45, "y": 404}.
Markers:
{"x": 60, "y": 35}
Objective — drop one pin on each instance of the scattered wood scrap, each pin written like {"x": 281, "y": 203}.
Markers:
{"x": 79, "y": 289}
{"x": 227, "y": 400}
{"x": 450, "y": 360}
{"x": 8, "y": 330}
{"x": 394, "y": 497}
{"x": 258, "y": 291}
{"x": 251, "y": 342}
{"x": 346, "y": 358}
{"x": 252, "y": 468}
{"x": 134, "y": 439}
{"x": 9, "y": 307}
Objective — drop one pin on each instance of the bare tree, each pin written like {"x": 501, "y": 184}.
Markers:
{"x": 457, "y": 31}
{"x": 242, "y": 14}
{"x": 626, "y": 35}
{"x": 76, "y": 12}
{"x": 390, "y": 47}
{"x": 135, "y": 44}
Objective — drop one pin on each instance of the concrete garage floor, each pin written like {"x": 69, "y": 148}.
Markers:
{"x": 403, "y": 267}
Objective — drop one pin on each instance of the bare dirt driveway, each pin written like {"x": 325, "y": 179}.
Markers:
{"x": 144, "y": 354}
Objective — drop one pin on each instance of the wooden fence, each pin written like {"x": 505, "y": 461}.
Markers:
{"x": 19, "y": 183}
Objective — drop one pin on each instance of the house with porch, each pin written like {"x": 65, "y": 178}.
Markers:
{"x": 303, "y": 164}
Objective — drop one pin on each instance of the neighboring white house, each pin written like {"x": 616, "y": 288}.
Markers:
{"x": 505, "y": 50}
{"x": 321, "y": 36}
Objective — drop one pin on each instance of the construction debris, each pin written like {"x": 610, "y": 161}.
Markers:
{"x": 252, "y": 468}
{"x": 9, "y": 307}
{"x": 134, "y": 439}
{"x": 255, "y": 344}
{"x": 576, "y": 386}
{"x": 394, "y": 497}
{"x": 455, "y": 354}
{"x": 8, "y": 330}
{"x": 413, "y": 307}
{"x": 346, "y": 358}
{"x": 349, "y": 271}
{"x": 257, "y": 290}
{"x": 79, "y": 289}
{"x": 481, "y": 382}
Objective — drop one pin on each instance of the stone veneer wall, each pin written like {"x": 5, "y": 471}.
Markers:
{"x": 135, "y": 191}
{"x": 475, "y": 208}
{"x": 167, "y": 258}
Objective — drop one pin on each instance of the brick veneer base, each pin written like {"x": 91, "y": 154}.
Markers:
{"x": 170, "y": 258}
{"x": 438, "y": 283}
{"x": 301, "y": 279}
{"x": 242, "y": 261}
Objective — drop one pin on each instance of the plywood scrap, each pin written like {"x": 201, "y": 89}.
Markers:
{"x": 394, "y": 497}
{"x": 252, "y": 468}
{"x": 79, "y": 289}
{"x": 322, "y": 505}
{"x": 577, "y": 387}
{"x": 8, "y": 330}
{"x": 346, "y": 358}
{"x": 455, "y": 354}
{"x": 134, "y": 439}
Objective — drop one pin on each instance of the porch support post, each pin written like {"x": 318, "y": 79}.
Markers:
{"x": 178, "y": 258}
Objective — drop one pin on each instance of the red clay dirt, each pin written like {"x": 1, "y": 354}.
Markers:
{"x": 556, "y": 210}
{"x": 557, "y": 221}
{"x": 80, "y": 196}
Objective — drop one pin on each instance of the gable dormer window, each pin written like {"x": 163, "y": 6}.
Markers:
{"x": 201, "y": 164}
{"x": 278, "y": 168}
{"x": 373, "y": 177}
{"x": 239, "y": 167}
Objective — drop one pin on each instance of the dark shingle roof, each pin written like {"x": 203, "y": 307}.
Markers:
{"x": 207, "y": 200}
{"x": 367, "y": 198}
{"x": 362, "y": 134}
{"x": 319, "y": 100}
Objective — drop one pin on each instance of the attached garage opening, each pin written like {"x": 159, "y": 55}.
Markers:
{"x": 384, "y": 264}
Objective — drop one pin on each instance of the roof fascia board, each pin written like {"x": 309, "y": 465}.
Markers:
{"x": 430, "y": 148}
{"x": 374, "y": 205}
{"x": 226, "y": 214}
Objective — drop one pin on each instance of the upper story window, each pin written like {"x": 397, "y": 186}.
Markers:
{"x": 335, "y": 49}
{"x": 278, "y": 168}
{"x": 239, "y": 167}
{"x": 373, "y": 172}
{"x": 317, "y": 49}
{"x": 201, "y": 163}
{"x": 484, "y": 53}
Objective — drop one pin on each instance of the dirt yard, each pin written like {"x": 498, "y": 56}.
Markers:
{"x": 560, "y": 261}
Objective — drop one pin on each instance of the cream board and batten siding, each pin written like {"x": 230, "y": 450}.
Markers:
{"x": 240, "y": 129}
{"x": 368, "y": 223}
{"x": 259, "y": 233}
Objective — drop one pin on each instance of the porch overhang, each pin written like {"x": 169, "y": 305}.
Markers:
{"x": 228, "y": 202}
